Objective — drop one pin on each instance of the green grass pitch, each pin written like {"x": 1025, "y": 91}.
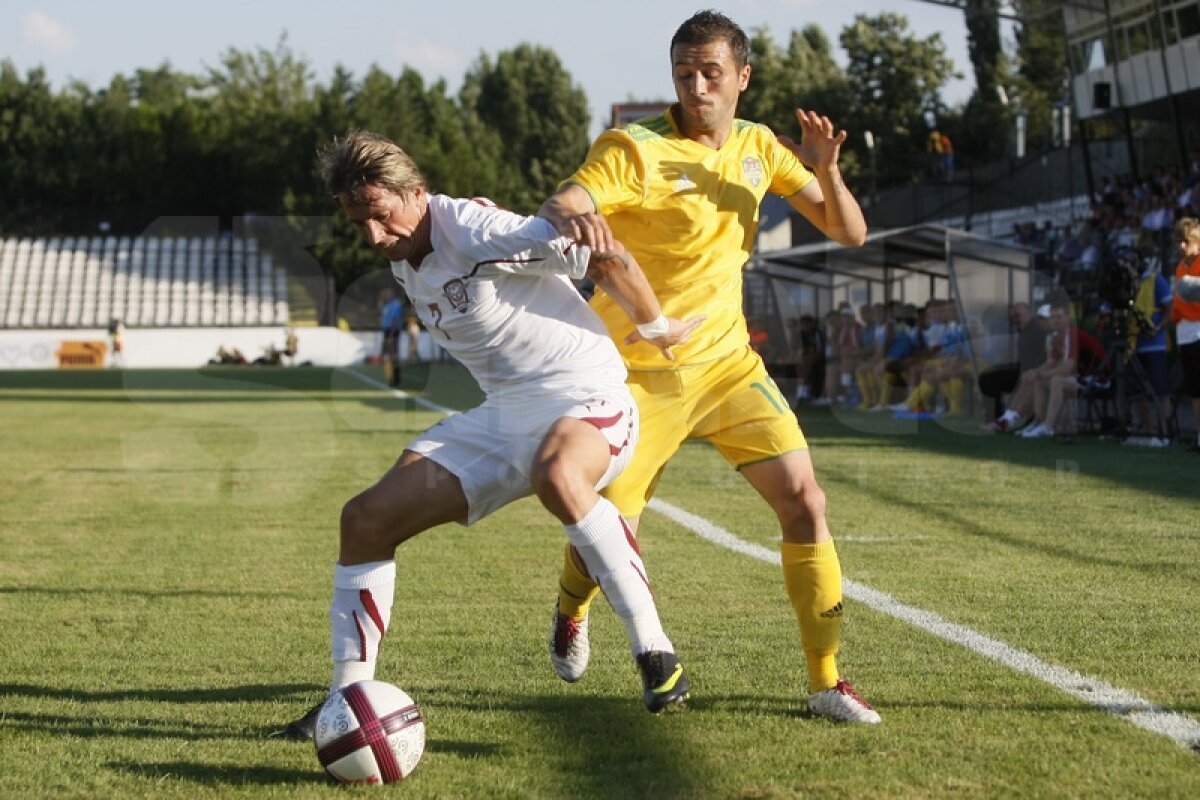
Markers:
{"x": 166, "y": 547}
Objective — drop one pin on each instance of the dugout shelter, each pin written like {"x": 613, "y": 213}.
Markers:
{"x": 983, "y": 277}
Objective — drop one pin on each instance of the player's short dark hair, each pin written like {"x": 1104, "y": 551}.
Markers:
{"x": 709, "y": 26}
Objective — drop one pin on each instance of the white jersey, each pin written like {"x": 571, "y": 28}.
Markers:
{"x": 496, "y": 293}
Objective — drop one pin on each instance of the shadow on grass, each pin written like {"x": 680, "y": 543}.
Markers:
{"x": 609, "y": 744}
{"x": 216, "y": 775}
{"x": 229, "y": 694}
{"x": 221, "y": 594}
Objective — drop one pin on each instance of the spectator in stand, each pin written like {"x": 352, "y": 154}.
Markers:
{"x": 1072, "y": 355}
{"x": 1002, "y": 379}
{"x": 934, "y": 147}
{"x": 1158, "y": 220}
{"x": 1185, "y": 312}
{"x": 947, "y": 163}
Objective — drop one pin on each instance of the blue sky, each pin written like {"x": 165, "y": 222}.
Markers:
{"x": 615, "y": 49}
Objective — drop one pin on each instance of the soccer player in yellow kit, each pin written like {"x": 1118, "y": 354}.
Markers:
{"x": 681, "y": 191}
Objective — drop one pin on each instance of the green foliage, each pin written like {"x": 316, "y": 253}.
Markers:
{"x": 540, "y": 118}
{"x": 1042, "y": 68}
{"x": 894, "y": 77}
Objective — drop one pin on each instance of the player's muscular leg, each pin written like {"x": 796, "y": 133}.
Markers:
{"x": 569, "y": 462}
{"x": 413, "y": 496}
{"x": 789, "y": 485}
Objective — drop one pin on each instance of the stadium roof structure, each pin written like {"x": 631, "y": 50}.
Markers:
{"x": 911, "y": 265}
{"x": 928, "y": 250}
{"x": 983, "y": 277}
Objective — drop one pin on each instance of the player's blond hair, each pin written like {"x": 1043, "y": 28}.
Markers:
{"x": 351, "y": 163}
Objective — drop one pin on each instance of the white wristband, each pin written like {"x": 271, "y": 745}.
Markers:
{"x": 655, "y": 328}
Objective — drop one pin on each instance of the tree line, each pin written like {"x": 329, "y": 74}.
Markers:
{"x": 240, "y": 138}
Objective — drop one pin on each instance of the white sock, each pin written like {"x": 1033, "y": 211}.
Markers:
{"x": 606, "y": 547}
{"x": 358, "y": 618}
{"x": 1010, "y": 416}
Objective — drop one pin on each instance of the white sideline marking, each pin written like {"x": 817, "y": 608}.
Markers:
{"x": 1181, "y": 729}
{"x": 400, "y": 393}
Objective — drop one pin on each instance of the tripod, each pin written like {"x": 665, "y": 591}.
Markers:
{"x": 1126, "y": 371}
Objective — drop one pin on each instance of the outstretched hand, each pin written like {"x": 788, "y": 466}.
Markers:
{"x": 590, "y": 229}
{"x": 679, "y": 332}
{"x": 820, "y": 143}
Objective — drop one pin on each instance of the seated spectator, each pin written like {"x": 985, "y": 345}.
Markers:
{"x": 844, "y": 336}
{"x": 810, "y": 359}
{"x": 944, "y": 372}
{"x": 901, "y": 343}
{"x": 1004, "y": 378}
{"x": 1072, "y": 356}
{"x": 874, "y": 343}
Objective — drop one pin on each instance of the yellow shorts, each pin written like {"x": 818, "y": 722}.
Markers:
{"x": 731, "y": 402}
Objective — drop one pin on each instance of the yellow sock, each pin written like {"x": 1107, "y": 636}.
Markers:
{"x": 813, "y": 577}
{"x": 923, "y": 397}
{"x": 576, "y": 589}
{"x": 954, "y": 394}
{"x": 865, "y": 388}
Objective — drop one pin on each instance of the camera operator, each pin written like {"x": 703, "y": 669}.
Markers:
{"x": 1149, "y": 314}
{"x": 1185, "y": 312}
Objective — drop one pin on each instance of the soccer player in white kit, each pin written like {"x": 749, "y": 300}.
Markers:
{"x": 494, "y": 289}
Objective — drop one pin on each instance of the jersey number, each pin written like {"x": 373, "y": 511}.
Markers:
{"x": 436, "y": 311}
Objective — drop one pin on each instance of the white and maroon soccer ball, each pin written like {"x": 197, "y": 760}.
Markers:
{"x": 370, "y": 732}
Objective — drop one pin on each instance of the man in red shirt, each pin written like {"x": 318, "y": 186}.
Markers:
{"x": 1071, "y": 354}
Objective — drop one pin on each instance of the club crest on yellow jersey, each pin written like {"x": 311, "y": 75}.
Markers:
{"x": 752, "y": 170}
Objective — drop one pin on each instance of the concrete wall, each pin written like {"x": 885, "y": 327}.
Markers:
{"x": 193, "y": 347}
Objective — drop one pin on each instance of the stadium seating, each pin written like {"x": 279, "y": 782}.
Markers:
{"x": 148, "y": 281}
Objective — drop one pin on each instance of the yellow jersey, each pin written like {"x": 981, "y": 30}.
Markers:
{"x": 689, "y": 214}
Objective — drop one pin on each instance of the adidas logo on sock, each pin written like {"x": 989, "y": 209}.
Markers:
{"x": 834, "y": 612}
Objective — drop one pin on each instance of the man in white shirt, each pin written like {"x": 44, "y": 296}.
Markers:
{"x": 494, "y": 289}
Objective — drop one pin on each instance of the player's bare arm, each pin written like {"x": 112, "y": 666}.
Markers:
{"x": 826, "y": 202}
{"x": 618, "y": 274}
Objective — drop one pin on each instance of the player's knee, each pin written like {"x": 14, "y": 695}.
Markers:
{"x": 359, "y": 527}
{"x": 552, "y": 479}
{"x": 561, "y": 487}
{"x": 805, "y": 508}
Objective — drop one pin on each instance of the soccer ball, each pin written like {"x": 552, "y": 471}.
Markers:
{"x": 370, "y": 732}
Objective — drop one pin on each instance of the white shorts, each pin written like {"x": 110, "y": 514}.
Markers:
{"x": 490, "y": 448}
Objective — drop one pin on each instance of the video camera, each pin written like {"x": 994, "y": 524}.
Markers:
{"x": 1120, "y": 275}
